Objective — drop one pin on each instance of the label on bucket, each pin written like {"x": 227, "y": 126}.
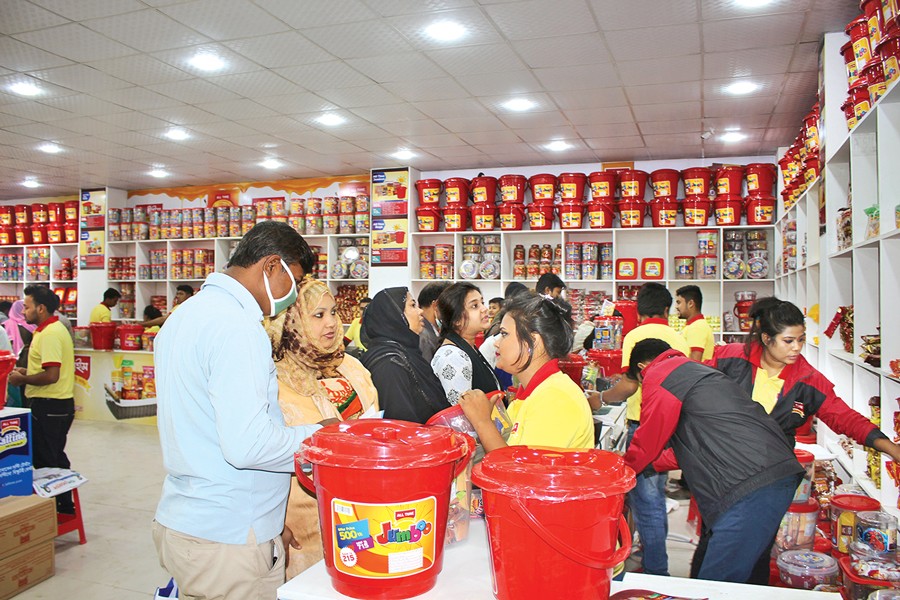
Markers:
{"x": 723, "y": 186}
{"x": 431, "y": 195}
{"x": 452, "y": 222}
{"x": 384, "y": 541}
{"x": 631, "y": 218}
{"x": 630, "y": 189}
{"x": 426, "y": 224}
{"x": 662, "y": 188}
{"x": 891, "y": 69}
{"x": 509, "y": 222}
{"x": 694, "y": 216}
{"x": 568, "y": 190}
{"x": 600, "y": 189}
{"x": 484, "y": 222}
{"x": 725, "y": 216}
{"x": 452, "y": 194}
{"x": 695, "y": 186}
{"x": 752, "y": 181}
{"x": 763, "y": 214}
{"x": 862, "y": 52}
{"x": 666, "y": 218}
{"x": 509, "y": 193}
{"x": 571, "y": 220}
{"x": 542, "y": 191}
{"x": 479, "y": 194}
{"x": 598, "y": 219}
{"x": 537, "y": 220}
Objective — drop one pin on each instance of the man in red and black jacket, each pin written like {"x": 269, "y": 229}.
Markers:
{"x": 740, "y": 465}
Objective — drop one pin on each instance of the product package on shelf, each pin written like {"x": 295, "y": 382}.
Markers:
{"x": 353, "y": 259}
{"x": 481, "y": 257}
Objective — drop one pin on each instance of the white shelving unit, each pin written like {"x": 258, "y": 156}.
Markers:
{"x": 864, "y": 275}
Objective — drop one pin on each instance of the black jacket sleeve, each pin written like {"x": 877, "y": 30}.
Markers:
{"x": 396, "y": 392}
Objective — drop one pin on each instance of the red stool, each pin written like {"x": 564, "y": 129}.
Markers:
{"x": 68, "y": 523}
{"x": 694, "y": 516}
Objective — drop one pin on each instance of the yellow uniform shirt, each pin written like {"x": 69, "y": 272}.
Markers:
{"x": 353, "y": 333}
{"x": 554, "y": 412}
{"x": 101, "y": 314}
{"x": 52, "y": 346}
{"x": 650, "y": 328}
{"x": 766, "y": 389}
{"x": 699, "y": 336}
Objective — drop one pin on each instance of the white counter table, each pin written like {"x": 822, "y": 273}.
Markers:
{"x": 467, "y": 574}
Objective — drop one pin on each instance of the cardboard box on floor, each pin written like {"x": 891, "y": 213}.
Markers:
{"x": 27, "y": 531}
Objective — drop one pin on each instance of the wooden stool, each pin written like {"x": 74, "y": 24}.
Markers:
{"x": 68, "y": 523}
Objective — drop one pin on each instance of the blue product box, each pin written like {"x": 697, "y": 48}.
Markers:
{"x": 16, "y": 475}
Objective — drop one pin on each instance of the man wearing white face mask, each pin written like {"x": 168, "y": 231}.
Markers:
{"x": 228, "y": 454}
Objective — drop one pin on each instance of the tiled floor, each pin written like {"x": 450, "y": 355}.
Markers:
{"x": 124, "y": 468}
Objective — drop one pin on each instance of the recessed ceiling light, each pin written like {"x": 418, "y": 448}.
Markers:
{"x": 159, "y": 173}
{"x": 445, "y": 31}
{"x": 271, "y": 163}
{"x": 740, "y": 88}
{"x": 269, "y": 145}
{"x": 24, "y": 88}
{"x": 177, "y": 134}
{"x": 733, "y": 136}
{"x": 330, "y": 119}
{"x": 403, "y": 154}
{"x": 519, "y": 104}
{"x": 50, "y": 148}
{"x": 31, "y": 183}
{"x": 206, "y": 61}
{"x": 752, "y": 3}
{"x": 558, "y": 146}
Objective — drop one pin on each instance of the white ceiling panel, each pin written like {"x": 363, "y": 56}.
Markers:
{"x": 317, "y": 14}
{"x": 806, "y": 57}
{"x": 439, "y": 109}
{"x": 261, "y": 83}
{"x": 540, "y": 102}
{"x": 280, "y": 50}
{"x": 728, "y": 9}
{"x": 828, "y": 18}
{"x": 89, "y": 9}
{"x": 242, "y": 108}
{"x": 477, "y": 60}
{"x": 362, "y": 132}
{"x": 18, "y": 56}
{"x": 585, "y": 49}
{"x": 147, "y": 30}
{"x": 747, "y": 63}
{"x": 85, "y": 125}
{"x": 81, "y": 78}
{"x": 651, "y": 42}
{"x": 76, "y": 42}
{"x": 731, "y": 122}
{"x": 193, "y": 91}
{"x": 441, "y": 88}
{"x": 410, "y": 66}
{"x": 504, "y": 136}
{"x": 420, "y": 127}
{"x": 83, "y": 105}
{"x": 606, "y": 143}
{"x": 799, "y": 103}
{"x": 494, "y": 84}
{"x": 665, "y": 69}
{"x": 389, "y": 113}
{"x": 518, "y": 121}
{"x": 48, "y": 90}
{"x": 140, "y": 69}
{"x": 626, "y": 129}
{"x": 183, "y": 115}
{"x": 296, "y": 103}
{"x": 547, "y": 134}
{"x": 275, "y": 125}
{"x": 799, "y": 83}
{"x": 769, "y": 85}
{"x": 225, "y": 19}
{"x": 17, "y": 16}
{"x": 478, "y": 28}
{"x": 585, "y": 77}
{"x": 366, "y": 95}
{"x": 531, "y": 19}
{"x": 613, "y": 15}
{"x": 41, "y": 131}
{"x": 439, "y": 141}
{"x": 35, "y": 111}
{"x": 358, "y": 40}
{"x": 739, "y": 107}
{"x": 137, "y": 98}
{"x": 672, "y": 111}
{"x": 751, "y": 32}
{"x": 663, "y": 127}
{"x": 332, "y": 74}
{"x": 596, "y": 98}
{"x": 670, "y": 92}
{"x": 600, "y": 116}
{"x": 133, "y": 120}
{"x": 180, "y": 58}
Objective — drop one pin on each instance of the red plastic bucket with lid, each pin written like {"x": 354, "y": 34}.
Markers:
{"x": 633, "y": 183}
{"x": 512, "y": 216}
{"x": 72, "y": 209}
{"x": 429, "y": 191}
{"x": 484, "y": 216}
{"x": 785, "y": 163}
{"x": 761, "y": 179}
{"x": 609, "y": 361}
{"x": 631, "y": 213}
{"x": 858, "y": 30}
{"x": 543, "y": 187}
{"x": 696, "y": 211}
{"x": 7, "y": 364}
{"x": 23, "y": 214}
{"x": 540, "y": 216}
{"x": 456, "y": 189}
{"x": 600, "y": 213}
{"x": 23, "y": 234}
{"x": 102, "y": 335}
{"x": 39, "y": 233}
{"x": 456, "y": 217}
{"x": 874, "y": 20}
{"x": 603, "y": 184}
{"x": 664, "y": 211}
{"x": 730, "y": 180}
{"x": 811, "y": 127}
{"x": 7, "y": 235}
{"x": 665, "y": 182}
{"x": 573, "y": 366}
{"x": 696, "y": 181}
{"x": 383, "y": 489}
{"x": 428, "y": 217}
{"x": 130, "y": 336}
{"x": 850, "y": 63}
{"x": 512, "y": 188}
{"x": 859, "y": 94}
{"x": 889, "y": 50}
{"x": 873, "y": 75}
{"x": 6, "y": 216}
{"x": 71, "y": 232}
{"x": 484, "y": 189}
{"x": 807, "y": 460}
{"x": 55, "y": 212}
{"x": 571, "y": 214}
{"x": 571, "y": 186}
{"x": 811, "y": 170}
{"x": 39, "y": 213}
{"x": 554, "y": 518}
{"x": 728, "y": 209}
{"x": 760, "y": 210}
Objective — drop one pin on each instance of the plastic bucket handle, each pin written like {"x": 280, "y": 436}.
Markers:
{"x": 577, "y": 554}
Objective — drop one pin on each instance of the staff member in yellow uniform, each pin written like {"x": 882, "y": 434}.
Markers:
{"x": 697, "y": 332}
{"x": 182, "y": 293}
{"x": 49, "y": 384}
{"x": 102, "y": 313}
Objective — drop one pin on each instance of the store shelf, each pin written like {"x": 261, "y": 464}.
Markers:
{"x": 845, "y": 461}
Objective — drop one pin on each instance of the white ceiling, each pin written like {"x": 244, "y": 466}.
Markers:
{"x": 617, "y": 80}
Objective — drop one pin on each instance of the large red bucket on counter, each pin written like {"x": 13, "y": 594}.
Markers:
{"x": 484, "y": 216}
{"x": 512, "y": 216}
{"x": 664, "y": 211}
{"x": 512, "y": 188}
{"x": 728, "y": 210}
{"x": 600, "y": 213}
{"x": 571, "y": 214}
{"x": 696, "y": 211}
{"x": 665, "y": 183}
{"x": 103, "y": 335}
{"x": 571, "y": 186}
{"x": 696, "y": 181}
{"x": 456, "y": 189}
{"x": 428, "y": 217}
{"x": 573, "y": 366}
{"x": 540, "y": 216}
{"x": 429, "y": 191}
{"x": 633, "y": 184}
{"x": 631, "y": 213}
{"x": 7, "y": 364}
{"x": 761, "y": 178}
{"x": 760, "y": 210}
{"x": 603, "y": 184}
{"x": 130, "y": 336}
{"x": 730, "y": 180}
{"x": 559, "y": 509}
{"x": 383, "y": 489}
{"x": 543, "y": 187}
{"x": 484, "y": 189}
{"x": 456, "y": 217}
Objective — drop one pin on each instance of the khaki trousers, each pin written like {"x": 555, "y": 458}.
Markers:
{"x": 206, "y": 570}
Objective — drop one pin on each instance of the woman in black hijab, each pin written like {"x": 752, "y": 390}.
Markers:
{"x": 407, "y": 387}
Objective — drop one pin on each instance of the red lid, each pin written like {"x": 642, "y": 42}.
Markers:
{"x": 553, "y": 474}
{"x": 847, "y": 567}
{"x": 803, "y": 456}
{"x": 810, "y": 506}
{"x": 384, "y": 444}
{"x": 596, "y": 354}
{"x": 684, "y": 257}
{"x": 855, "y": 503}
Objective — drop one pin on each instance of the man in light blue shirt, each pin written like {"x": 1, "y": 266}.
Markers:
{"x": 225, "y": 446}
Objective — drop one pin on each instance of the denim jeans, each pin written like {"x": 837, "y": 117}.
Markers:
{"x": 648, "y": 507}
{"x": 745, "y": 531}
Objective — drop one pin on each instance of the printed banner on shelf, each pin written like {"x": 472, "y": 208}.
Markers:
{"x": 114, "y": 386}
{"x": 93, "y": 230}
{"x": 390, "y": 193}
{"x": 91, "y": 250}
{"x": 93, "y": 209}
{"x": 390, "y": 241}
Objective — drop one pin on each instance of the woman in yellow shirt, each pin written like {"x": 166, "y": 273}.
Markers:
{"x": 549, "y": 409}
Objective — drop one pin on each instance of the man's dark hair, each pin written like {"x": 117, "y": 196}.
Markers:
{"x": 498, "y": 300}
{"x": 514, "y": 289}
{"x": 151, "y": 312}
{"x": 644, "y": 352}
{"x": 5, "y": 306}
{"x": 187, "y": 289}
{"x": 431, "y": 292}
{"x": 549, "y": 280}
{"x": 112, "y": 294}
{"x": 271, "y": 237}
{"x": 41, "y": 294}
{"x": 366, "y": 300}
{"x": 691, "y": 292}
{"x": 653, "y": 300}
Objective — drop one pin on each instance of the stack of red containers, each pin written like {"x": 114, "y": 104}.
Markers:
{"x": 664, "y": 206}
{"x": 696, "y": 205}
{"x": 729, "y": 184}
{"x": 456, "y": 211}
{"x": 542, "y": 209}
{"x": 800, "y": 164}
{"x": 512, "y": 205}
{"x": 484, "y": 195}
{"x": 428, "y": 213}
{"x": 571, "y": 207}
{"x": 602, "y": 207}
{"x": 632, "y": 207}
{"x": 760, "y": 200}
